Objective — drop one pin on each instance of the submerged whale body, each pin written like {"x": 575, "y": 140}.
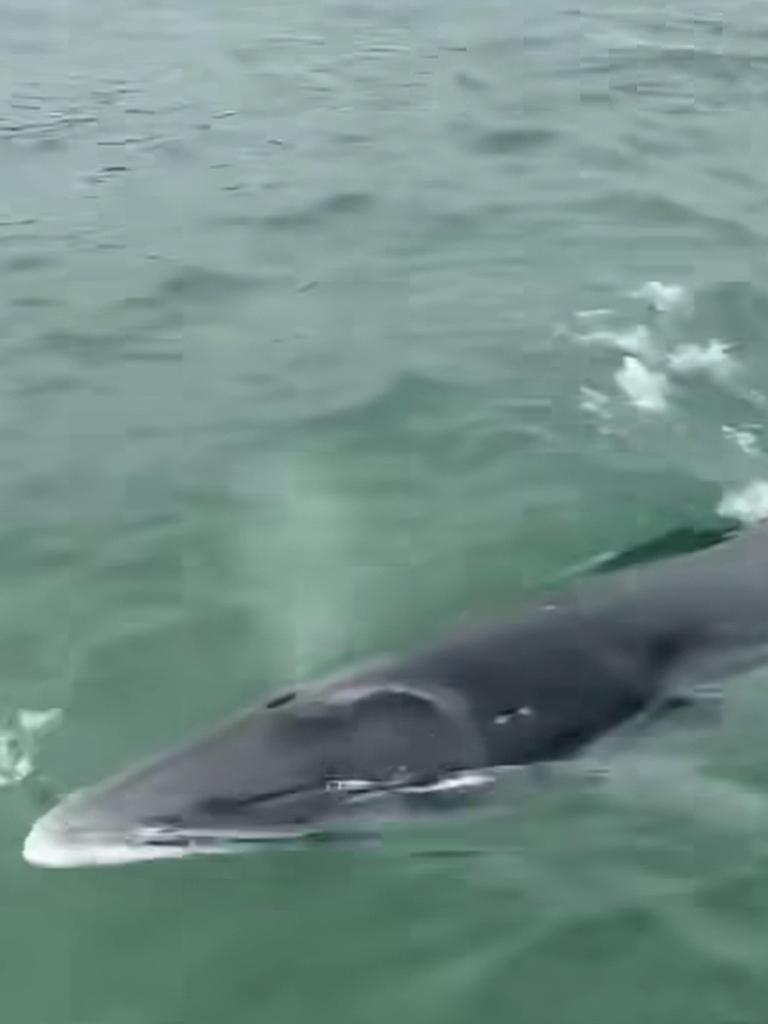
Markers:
{"x": 424, "y": 731}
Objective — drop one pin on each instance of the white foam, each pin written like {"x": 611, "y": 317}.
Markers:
{"x": 662, "y": 297}
{"x": 18, "y": 742}
{"x": 748, "y": 504}
{"x": 646, "y": 389}
{"x": 745, "y": 440}
{"x": 713, "y": 359}
{"x": 593, "y": 314}
{"x": 39, "y": 722}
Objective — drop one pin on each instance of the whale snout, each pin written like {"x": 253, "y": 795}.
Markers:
{"x": 281, "y": 772}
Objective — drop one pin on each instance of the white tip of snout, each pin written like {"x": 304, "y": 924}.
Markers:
{"x": 50, "y": 845}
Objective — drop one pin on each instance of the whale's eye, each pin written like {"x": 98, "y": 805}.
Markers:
{"x": 281, "y": 699}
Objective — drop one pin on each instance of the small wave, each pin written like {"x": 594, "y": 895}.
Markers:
{"x": 600, "y": 407}
{"x": 595, "y": 402}
{"x": 646, "y": 389}
{"x": 18, "y": 742}
{"x": 201, "y": 285}
{"x": 338, "y": 204}
{"x": 514, "y": 140}
{"x": 747, "y": 504}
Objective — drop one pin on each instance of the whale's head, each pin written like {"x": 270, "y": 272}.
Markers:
{"x": 310, "y": 762}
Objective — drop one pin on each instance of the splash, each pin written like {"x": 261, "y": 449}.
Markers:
{"x": 18, "y": 742}
{"x": 748, "y": 504}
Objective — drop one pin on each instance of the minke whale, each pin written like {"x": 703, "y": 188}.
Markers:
{"x": 425, "y": 732}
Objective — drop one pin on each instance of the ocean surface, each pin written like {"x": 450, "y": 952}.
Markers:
{"x": 326, "y": 326}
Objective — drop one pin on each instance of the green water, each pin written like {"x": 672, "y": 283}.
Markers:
{"x": 323, "y": 327}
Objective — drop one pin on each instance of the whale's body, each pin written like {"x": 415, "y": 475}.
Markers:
{"x": 401, "y": 733}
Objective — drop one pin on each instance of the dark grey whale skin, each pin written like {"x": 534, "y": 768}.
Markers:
{"x": 536, "y": 689}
